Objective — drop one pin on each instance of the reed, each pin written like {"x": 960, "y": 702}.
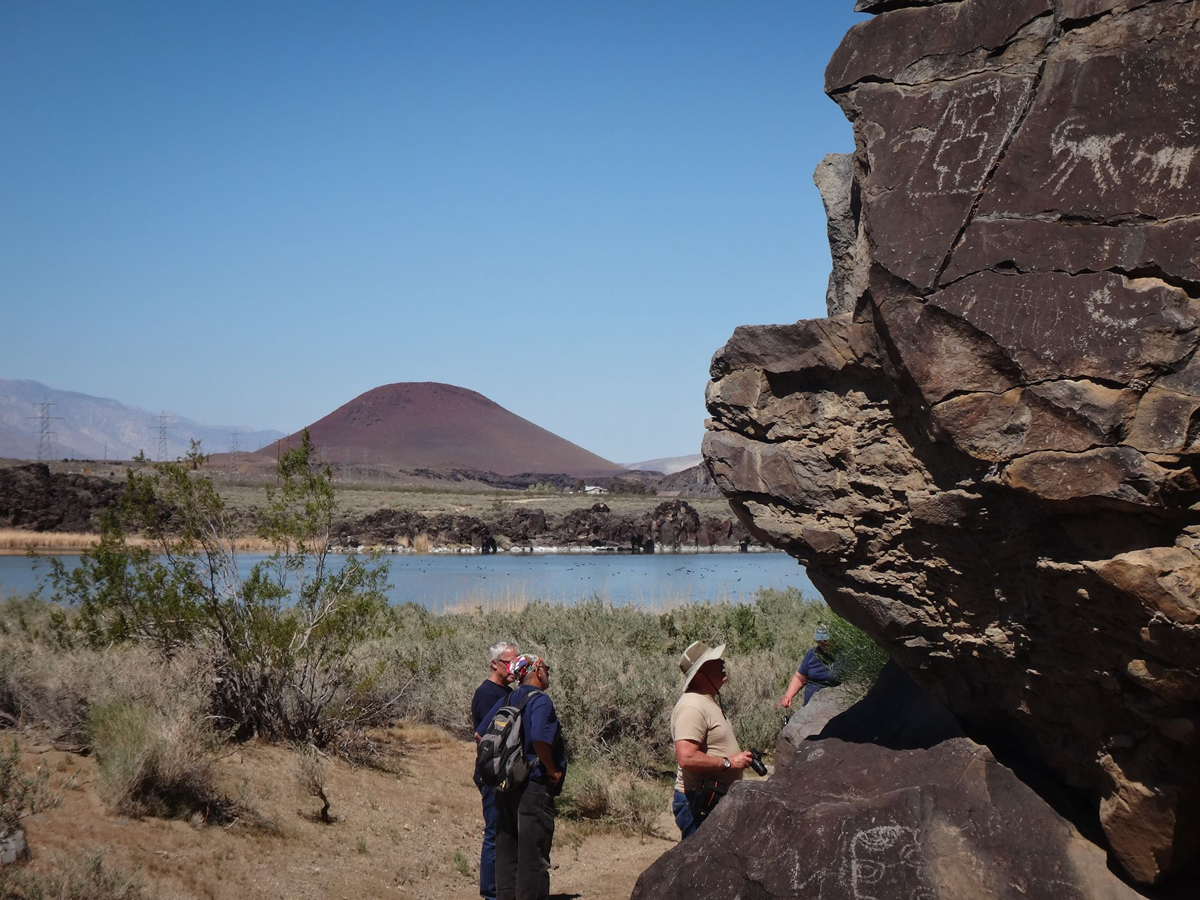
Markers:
{"x": 17, "y": 542}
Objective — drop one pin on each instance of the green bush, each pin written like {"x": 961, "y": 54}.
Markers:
{"x": 284, "y": 639}
{"x": 860, "y": 659}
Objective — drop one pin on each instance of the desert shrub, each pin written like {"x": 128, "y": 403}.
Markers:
{"x": 79, "y": 877}
{"x": 603, "y": 792}
{"x": 284, "y": 638}
{"x": 45, "y": 685}
{"x": 309, "y": 773}
{"x": 155, "y": 761}
{"x": 615, "y": 677}
{"x": 20, "y": 794}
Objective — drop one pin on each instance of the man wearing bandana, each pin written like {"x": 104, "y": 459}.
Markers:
{"x": 525, "y": 826}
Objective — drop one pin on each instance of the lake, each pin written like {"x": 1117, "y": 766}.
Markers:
{"x": 441, "y": 581}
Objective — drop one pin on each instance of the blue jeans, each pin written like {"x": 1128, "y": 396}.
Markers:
{"x": 681, "y": 805}
{"x": 487, "y": 857}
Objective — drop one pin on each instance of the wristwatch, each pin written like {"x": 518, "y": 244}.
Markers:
{"x": 724, "y": 762}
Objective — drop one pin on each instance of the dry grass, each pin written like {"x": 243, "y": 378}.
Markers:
{"x": 156, "y": 761}
{"x": 72, "y": 876}
{"x": 516, "y": 598}
{"x": 15, "y": 542}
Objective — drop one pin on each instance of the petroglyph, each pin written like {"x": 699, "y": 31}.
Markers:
{"x": 879, "y": 858}
{"x": 1073, "y": 141}
{"x": 968, "y": 138}
{"x": 1173, "y": 162}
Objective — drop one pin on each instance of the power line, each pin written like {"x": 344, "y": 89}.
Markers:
{"x": 44, "y": 435}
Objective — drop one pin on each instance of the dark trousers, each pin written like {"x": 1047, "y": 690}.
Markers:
{"x": 487, "y": 857}
{"x": 524, "y": 832}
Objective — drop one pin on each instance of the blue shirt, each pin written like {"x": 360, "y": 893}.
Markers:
{"x": 819, "y": 675}
{"x": 539, "y": 722}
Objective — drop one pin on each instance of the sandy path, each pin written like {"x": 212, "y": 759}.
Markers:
{"x": 407, "y": 835}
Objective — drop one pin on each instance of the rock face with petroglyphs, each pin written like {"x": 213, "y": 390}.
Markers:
{"x": 987, "y": 455}
{"x": 946, "y": 822}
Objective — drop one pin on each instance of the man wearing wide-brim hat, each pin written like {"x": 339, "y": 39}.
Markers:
{"x": 705, "y": 745}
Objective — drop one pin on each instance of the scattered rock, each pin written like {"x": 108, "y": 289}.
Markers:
{"x": 14, "y": 848}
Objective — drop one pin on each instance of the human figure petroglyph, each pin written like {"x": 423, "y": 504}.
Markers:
{"x": 968, "y": 121}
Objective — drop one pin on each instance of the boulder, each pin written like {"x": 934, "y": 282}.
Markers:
{"x": 14, "y": 848}
{"x": 809, "y": 719}
{"x": 860, "y": 821}
{"x": 988, "y": 456}
{"x": 834, "y": 179}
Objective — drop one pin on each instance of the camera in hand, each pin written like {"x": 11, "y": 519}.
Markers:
{"x": 756, "y": 763}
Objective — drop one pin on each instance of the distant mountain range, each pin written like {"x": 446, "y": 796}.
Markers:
{"x": 668, "y": 465}
{"x": 89, "y": 427}
{"x": 428, "y": 425}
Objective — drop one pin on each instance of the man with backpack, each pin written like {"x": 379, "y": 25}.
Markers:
{"x": 493, "y": 690}
{"x": 526, "y": 780}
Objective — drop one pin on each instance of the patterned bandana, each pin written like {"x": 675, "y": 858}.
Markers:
{"x": 522, "y": 664}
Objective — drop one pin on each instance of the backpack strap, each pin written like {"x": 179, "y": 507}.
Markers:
{"x": 526, "y": 699}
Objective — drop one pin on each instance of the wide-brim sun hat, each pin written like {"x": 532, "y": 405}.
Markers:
{"x": 695, "y": 656}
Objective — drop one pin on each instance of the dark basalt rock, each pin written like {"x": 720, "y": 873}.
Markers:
{"x": 862, "y": 821}
{"x": 34, "y": 499}
{"x": 672, "y": 524}
{"x": 989, "y": 455}
{"x": 522, "y": 525}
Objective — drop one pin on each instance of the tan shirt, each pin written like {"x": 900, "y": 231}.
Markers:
{"x": 697, "y": 717}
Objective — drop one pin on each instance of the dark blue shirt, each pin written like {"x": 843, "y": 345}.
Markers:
{"x": 819, "y": 674}
{"x": 539, "y": 722}
{"x": 488, "y": 695}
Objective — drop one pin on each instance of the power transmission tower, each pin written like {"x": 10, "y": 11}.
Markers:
{"x": 235, "y": 447}
{"x": 45, "y": 437}
{"x": 164, "y": 428}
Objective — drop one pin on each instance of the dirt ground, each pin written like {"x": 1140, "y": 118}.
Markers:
{"x": 410, "y": 834}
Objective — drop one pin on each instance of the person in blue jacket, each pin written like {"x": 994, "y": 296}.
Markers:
{"x": 525, "y": 825}
{"x": 493, "y": 690}
{"x": 819, "y": 669}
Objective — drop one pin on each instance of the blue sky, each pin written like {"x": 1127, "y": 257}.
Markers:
{"x": 249, "y": 213}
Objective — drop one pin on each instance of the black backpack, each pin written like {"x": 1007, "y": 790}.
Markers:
{"x": 500, "y": 761}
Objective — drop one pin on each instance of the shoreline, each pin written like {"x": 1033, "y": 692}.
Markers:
{"x": 78, "y": 550}
{"x": 14, "y": 542}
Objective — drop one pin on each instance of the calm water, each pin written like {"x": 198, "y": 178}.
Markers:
{"x": 445, "y": 580}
